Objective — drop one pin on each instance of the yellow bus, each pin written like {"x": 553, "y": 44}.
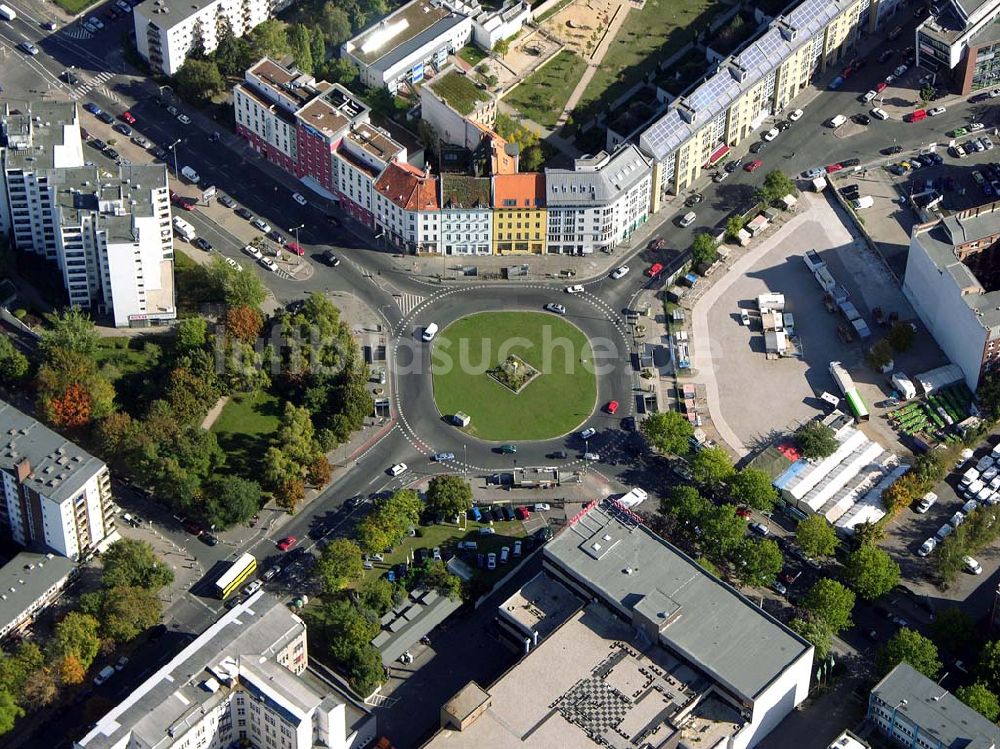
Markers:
{"x": 237, "y": 574}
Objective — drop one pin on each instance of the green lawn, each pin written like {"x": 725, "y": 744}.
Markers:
{"x": 458, "y": 91}
{"x": 554, "y": 403}
{"x": 472, "y": 54}
{"x": 244, "y": 429}
{"x": 74, "y": 6}
{"x": 135, "y": 367}
{"x": 543, "y": 94}
{"x": 647, "y": 37}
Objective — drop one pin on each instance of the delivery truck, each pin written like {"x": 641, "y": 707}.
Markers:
{"x": 183, "y": 229}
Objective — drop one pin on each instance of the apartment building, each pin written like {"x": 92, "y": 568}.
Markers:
{"x": 29, "y": 582}
{"x": 466, "y": 215}
{"x": 167, "y": 30}
{"x": 109, "y": 237}
{"x": 952, "y": 283}
{"x": 396, "y": 50}
{"x": 520, "y": 221}
{"x": 316, "y": 130}
{"x": 55, "y": 495}
{"x": 242, "y": 682}
{"x": 959, "y": 41}
{"x": 598, "y": 203}
{"x": 457, "y": 108}
{"x": 629, "y": 642}
{"x": 407, "y": 208}
{"x": 698, "y": 129}
{"x": 913, "y": 711}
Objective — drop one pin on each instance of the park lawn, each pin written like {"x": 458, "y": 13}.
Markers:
{"x": 245, "y": 429}
{"x": 74, "y": 7}
{"x": 646, "y": 38}
{"x": 459, "y": 92}
{"x": 554, "y": 403}
{"x": 543, "y": 94}
{"x": 472, "y": 54}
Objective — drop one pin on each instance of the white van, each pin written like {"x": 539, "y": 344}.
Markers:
{"x": 190, "y": 175}
{"x": 865, "y": 201}
{"x": 837, "y": 121}
{"x": 689, "y": 218}
{"x": 7, "y": 13}
{"x": 430, "y": 331}
{"x": 925, "y": 503}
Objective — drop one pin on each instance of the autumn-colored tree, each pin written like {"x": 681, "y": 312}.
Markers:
{"x": 71, "y": 671}
{"x": 72, "y": 409}
{"x": 901, "y": 493}
{"x": 244, "y": 323}
{"x": 290, "y": 493}
{"x": 41, "y": 688}
{"x": 318, "y": 471}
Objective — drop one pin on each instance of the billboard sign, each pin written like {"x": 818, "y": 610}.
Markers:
{"x": 417, "y": 72}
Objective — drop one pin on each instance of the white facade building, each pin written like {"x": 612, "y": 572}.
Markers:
{"x": 407, "y": 208}
{"x": 167, "y": 30}
{"x": 55, "y": 494}
{"x": 241, "y": 682}
{"x": 599, "y": 203}
{"x": 30, "y": 582}
{"x": 109, "y": 237}
{"x": 466, "y": 215}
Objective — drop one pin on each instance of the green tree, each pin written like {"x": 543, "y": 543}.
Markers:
{"x": 815, "y": 631}
{"x": 981, "y": 699}
{"x": 300, "y": 42}
{"x": 199, "y": 80}
{"x": 952, "y": 629}
{"x": 758, "y": 562}
{"x": 317, "y": 46}
{"x": 880, "y": 356}
{"x": 377, "y": 595}
{"x": 65, "y": 372}
{"x": 776, "y": 185}
{"x": 339, "y": 565}
{"x": 686, "y": 505}
{"x": 871, "y": 572}
{"x": 988, "y": 667}
{"x": 270, "y": 38}
{"x": 15, "y": 668}
{"x": 230, "y": 500}
{"x": 912, "y": 647}
{"x": 374, "y": 534}
{"x": 704, "y": 250}
{"x": 295, "y": 435}
{"x": 128, "y": 611}
{"x": 233, "y": 54}
{"x": 722, "y": 532}
{"x": 129, "y": 562}
{"x": 440, "y": 579}
{"x": 10, "y": 711}
{"x": 927, "y": 92}
{"x": 75, "y": 635}
{"x": 948, "y": 555}
{"x": 501, "y": 47}
{"x": 988, "y": 394}
{"x": 335, "y": 25}
{"x": 752, "y": 486}
{"x": 816, "y": 440}
{"x": 816, "y": 537}
{"x": 69, "y": 330}
{"x": 900, "y": 336}
{"x": 832, "y": 602}
{"x": 192, "y": 333}
{"x": 341, "y": 71}
{"x": 711, "y": 465}
{"x": 668, "y": 432}
{"x": 449, "y": 495}
{"x": 14, "y": 365}
{"x": 734, "y": 225}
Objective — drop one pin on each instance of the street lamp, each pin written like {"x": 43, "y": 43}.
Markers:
{"x": 892, "y": 723}
{"x": 173, "y": 147}
{"x": 296, "y": 230}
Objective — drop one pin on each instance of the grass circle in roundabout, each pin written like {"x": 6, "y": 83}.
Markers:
{"x": 561, "y": 391}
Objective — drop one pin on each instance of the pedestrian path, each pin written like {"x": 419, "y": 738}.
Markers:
{"x": 98, "y": 80}
{"x": 408, "y": 302}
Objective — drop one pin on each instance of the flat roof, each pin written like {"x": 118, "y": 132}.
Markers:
{"x": 708, "y": 622}
{"x": 405, "y": 624}
{"x": 459, "y": 92}
{"x": 26, "y": 578}
{"x": 400, "y": 33}
{"x": 169, "y": 13}
{"x": 253, "y": 630}
{"x": 591, "y": 683}
{"x": 40, "y": 124}
{"x": 59, "y": 468}
{"x": 937, "y": 711}
{"x": 464, "y": 191}
{"x": 541, "y": 606}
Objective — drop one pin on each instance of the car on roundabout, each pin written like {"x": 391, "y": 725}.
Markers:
{"x": 575, "y": 289}
{"x": 441, "y": 457}
{"x": 620, "y": 272}
{"x": 612, "y": 407}
{"x": 397, "y": 469}
{"x": 556, "y": 308}
{"x": 508, "y": 449}
{"x": 269, "y": 264}
{"x": 587, "y": 433}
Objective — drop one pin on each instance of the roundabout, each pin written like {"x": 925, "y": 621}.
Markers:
{"x": 519, "y": 375}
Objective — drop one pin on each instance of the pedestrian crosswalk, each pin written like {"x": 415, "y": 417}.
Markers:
{"x": 76, "y": 32}
{"x": 98, "y": 80}
{"x": 408, "y": 302}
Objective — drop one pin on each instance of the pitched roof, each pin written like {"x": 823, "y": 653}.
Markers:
{"x": 408, "y": 187}
{"x": 525, "y": 190}
{"x": 598, "y": 179}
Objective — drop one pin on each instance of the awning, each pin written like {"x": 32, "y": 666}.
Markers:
{"x": 717, "y": 154}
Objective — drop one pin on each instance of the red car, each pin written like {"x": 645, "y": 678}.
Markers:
{"x": 287, "y": 542}
{"x": 128, "y": 117}
{"x": 754, "y": 165}
{"x": 522, "y": 513}
{"x": 743, "y": 512}
{"x": 880, "y": 87}
{"x": 193, "y": 528}
{"x": 294, "y": 248}
{"x": 180, "y": 201}
{"x": 612, "y": 407}
{"x": 655, "y": 270}
{"x": 834, "y": 168}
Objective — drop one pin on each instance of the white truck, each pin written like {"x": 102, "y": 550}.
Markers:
{"x": 7, "y": 13}
{"x": 633, "y": 498}
{"x": 904, "y": 385}
{"x": 819, "y": 184}
{"x": 184, "y": 230}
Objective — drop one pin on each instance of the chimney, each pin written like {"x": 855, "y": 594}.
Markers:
{"x": 23, "y": 470}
